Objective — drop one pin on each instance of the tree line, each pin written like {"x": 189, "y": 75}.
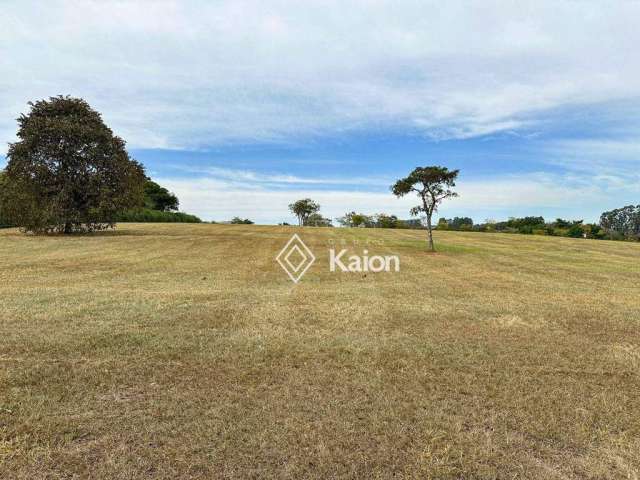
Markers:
{"x": 69, "y": 173}
{"x": 619, "y": 224}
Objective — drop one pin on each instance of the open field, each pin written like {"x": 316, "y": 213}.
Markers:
{"x": 184, "y": 351}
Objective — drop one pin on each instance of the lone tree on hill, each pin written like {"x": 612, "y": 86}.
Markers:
{"x": 68, "y": 172}
{"x": 433, "y": 185}
{"x": 303, "y": 209}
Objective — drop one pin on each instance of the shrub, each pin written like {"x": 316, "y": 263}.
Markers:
{"x": 240, "y": 221}
{"x": 147, "y": 215}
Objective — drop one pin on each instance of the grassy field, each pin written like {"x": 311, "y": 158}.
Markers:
{"x": 184, "y": 351}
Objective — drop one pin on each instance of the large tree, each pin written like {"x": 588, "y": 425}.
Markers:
{"x": 68, "y": 172}
{"x": 623, "y": 222}
{"x": 303, "y": 209}
{"x": 432, "y": 185}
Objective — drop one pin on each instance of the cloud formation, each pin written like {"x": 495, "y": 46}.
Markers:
{"x": 201, "y": 75}
{"x": 192, "y": 74}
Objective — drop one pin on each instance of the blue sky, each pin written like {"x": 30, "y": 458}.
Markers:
{"x": 242, "y": 107}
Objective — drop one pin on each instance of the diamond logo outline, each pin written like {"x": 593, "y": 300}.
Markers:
{"x": 293, "y": 250}
{"x": 283, "y": 258}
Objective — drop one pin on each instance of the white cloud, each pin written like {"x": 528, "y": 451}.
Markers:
{"x": 614, "y": 160}
{"x": 189, "y": 74}
{"x": 237, "y": 176}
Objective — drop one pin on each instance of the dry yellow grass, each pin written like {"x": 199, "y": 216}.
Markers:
{"x": 184, "y": 351}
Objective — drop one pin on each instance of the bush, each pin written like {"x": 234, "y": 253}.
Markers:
{"x": 146, "y": 215}
{"x": 240, "y": 221}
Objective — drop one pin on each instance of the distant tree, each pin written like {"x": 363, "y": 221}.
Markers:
{"x": 443, "y": 224}
{"x": 456, "y": 223}
{"x": 382, "y": 220}
{"x": 432, "y": 185}
{"x": 595, "y": 231}
{"x": 412, "y": 223}
{"x": 317, "y": 220}
{"x": 353, "y": 219}
{"x": 622, "y": 222}
{"x": 346, "y": 219}
{"x": 561, "y": 223}
{"x": 525, "y": 225}
{"x": 576, "y": 230}
{"x": 68, "y": 172}
{"x": 241, "y": 221}
{"x": 303, "y": 208}
{"x": 159, "y": 198}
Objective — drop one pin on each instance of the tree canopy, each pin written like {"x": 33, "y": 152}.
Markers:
{"x": 623, "y": 222}
{"x": 156, "y": 197}
{"x": 68, "y": 172}
{"x": 241, "y": 221}
{"x": 432, "y": 185}
{"x": 302, "y": 209}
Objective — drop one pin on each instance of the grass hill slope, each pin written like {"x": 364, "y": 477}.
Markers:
{"x": 184, "y": 351}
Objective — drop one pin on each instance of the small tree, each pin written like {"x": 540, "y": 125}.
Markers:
{"x": 433, "y": 185}
{"x": 68, "y": 172}
{"x": 303, "y": 209}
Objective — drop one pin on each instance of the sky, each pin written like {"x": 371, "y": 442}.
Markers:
{"x": 242, "y": 107}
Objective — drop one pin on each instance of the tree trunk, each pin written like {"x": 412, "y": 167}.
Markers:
{"x": 430, "y": 230}
{"x": 67, "y": 228}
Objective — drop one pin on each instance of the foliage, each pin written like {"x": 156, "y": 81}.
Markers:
{"x": 434, "y": 185}
{"x": 148, "y": 215}
{"x": 382, "y": 220}
{"x": 4, "y": 221}
{"x": 317, "y": 220}
{"x": 379, "y": 220}
{"x": 302, "y": 209}
{"x": 240, "y": 221}
{"x": 159, "y": 198}
{"x": 456, "y": 223}
{"x": 68, "y": 172}
{"x": 622, "y": 222}
{"x": 528, "y": 225}
{"x": 353, "y": 219}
